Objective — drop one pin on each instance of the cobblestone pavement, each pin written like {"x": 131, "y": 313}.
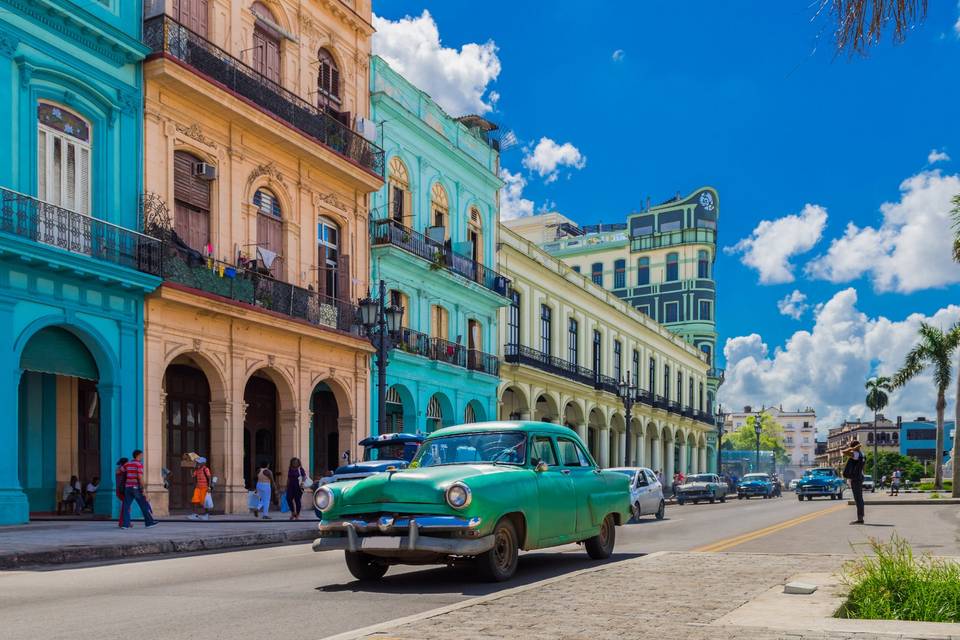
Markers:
{"x": 670, "y": 596}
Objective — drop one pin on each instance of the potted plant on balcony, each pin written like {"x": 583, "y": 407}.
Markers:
{"x": 437, "y": 262}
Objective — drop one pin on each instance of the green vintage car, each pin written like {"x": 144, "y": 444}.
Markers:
{"x": 478, "y": 491}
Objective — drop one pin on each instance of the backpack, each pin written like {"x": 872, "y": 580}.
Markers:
{"x": 853, "y": 470}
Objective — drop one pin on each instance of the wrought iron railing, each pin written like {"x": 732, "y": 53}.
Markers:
{"x": 189, "y": 268}
{"x": 483, "y": 362}
{"x": 715, "y": 372}
{"x": 450, "y": 352}
{"x": 389, "y": 231}
{"x": 673, "y": 406}
{"x": 519, "y": 354}
{"x": 673, "y": 238}
{"x": 606, "y": 383}
{"x": 168, "y": 37}
{"x": 33, "y": 219}
{"x": 414, "y": 342}
{"x": 420, "y": 344}
{"x": 644, "y": 397}
{"x": 703, "y": 416}
{"x": 660, "y": 402}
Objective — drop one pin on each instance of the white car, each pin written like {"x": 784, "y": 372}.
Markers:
{"x": 646, "y": 493}
{"x": 868, "y": 483}
{"x": 793, "y": 484}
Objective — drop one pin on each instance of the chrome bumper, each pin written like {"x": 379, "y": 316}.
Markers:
{"x": 395, "y": 525}
{"x": 399, "y": 543}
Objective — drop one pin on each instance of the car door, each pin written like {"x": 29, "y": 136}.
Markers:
{"x": 583, "y": 472}
{"x": 654, "y": 491}
{"x": 555, "y": 492}
{"x": 641, "y": 491}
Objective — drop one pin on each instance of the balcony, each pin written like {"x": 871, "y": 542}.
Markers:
{"x": 168, "y": 38}
{"x": 716, "y": 373}
{"x": 190, "y": 269}
{"x": 519, "y": 354}
{"x": 48, "y": 224}
{"x": 390, "y": 232}
{"x": 440, "y": 350}
{"x": 672, "y": 239}
{"x": 606, "y": 383}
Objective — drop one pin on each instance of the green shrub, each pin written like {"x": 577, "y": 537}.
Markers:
{"x": 892, "y": 584}
{"x": 928, "y": 486}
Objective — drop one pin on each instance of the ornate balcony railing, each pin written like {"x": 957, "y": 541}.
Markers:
{"x": 414, "y": 342}
{"x": 645, "y": 397}
{"x": 190, "y": 269}
{"x": 44, "y": 223}
{"x": 167, "y": 37}
{"x": 483, "y": 362}
{"x": 673, "y": 238}
{"x": 519, "y": 354}
{"x": 450, "y": 352}
{"x": 606, "y": 383}
{"x": 673, "y": 406}
{"x": 389, "y": 231}
{"x": 420, "y": 344}
{"x": 660, "y": 402}
{"x": 703, "y": 416}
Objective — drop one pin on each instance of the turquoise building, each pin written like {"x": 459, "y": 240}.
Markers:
{"x": 433, "y": 233}
{"x": 73, "y": 272}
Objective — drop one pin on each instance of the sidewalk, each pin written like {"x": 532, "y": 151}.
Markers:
{"x": 51, "y": 542}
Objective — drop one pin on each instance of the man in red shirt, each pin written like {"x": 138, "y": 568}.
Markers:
{"x": 133, "y": 491}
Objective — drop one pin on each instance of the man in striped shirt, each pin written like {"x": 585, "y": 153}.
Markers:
{"x": 133, "y": 491}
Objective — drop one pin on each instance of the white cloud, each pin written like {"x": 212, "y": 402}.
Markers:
{"x": 457, "y": 80}
{"x": 548, "y": 157}
{"x": 909, "y": 251}
{"x": 827, "y": 366}
{"x": 618, "y": 55}
{"x": 512, "y": 202}
{"x": 773, "y": 242}
{"x": 793, "y": 304}
{"x": 936, "y": 155}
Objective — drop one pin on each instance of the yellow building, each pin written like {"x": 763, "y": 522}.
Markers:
{"x": 568, "y": 343}
{"x": 258, "y": 181}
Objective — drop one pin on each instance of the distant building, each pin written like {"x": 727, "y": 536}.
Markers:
{"x": 799, "y": 431}
{"x": 918, "y": 439}
{"x": 820, "y": 453}
{"x": 888, "y": 437}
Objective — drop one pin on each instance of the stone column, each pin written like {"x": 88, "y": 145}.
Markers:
{"x": 155, "y": 454}
{"x": 113, "y": 444}
{"x": 668, "y": 466}
{"x": 226, "y": 455}
{"x": 347, "y": 430}
{"x": 289, "y": 445}
{"x": 582, "y": 431}
{"x": 622, "y": 450}
{"x": 703, "y": 459}
{"x": 656, "y": 449}
{"x": 639, "y": 449}
{"x": 14, "y": 507}
{"x": 604, "y": 448}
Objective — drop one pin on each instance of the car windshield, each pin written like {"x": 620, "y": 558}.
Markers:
{"x": 868, "y": 477}
{"x": 756, "y": 476}
{"x": 392, "y": 451}
{"x": 700, "y": 478}
{"x": 473, "y": 448}
{"x": 822, "y": 472}
{"x": 627, "y": 472}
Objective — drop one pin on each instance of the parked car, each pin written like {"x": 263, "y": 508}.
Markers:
{"x": 755, "y": 484}
{"x": 823, "y": 481}
{"x": 646, "y": 493}
{"x": 379, "y": 454}
{"x": 868, "y": 483}
{"x": 703, "y": 486}
{"x": 793, "y": 484}
{"x": 480, "y": 492}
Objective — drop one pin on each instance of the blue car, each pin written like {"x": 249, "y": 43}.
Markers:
{"x": 824, "y": 481}
{"x": 379, "y": 454}
{"x": 755, "y": 484}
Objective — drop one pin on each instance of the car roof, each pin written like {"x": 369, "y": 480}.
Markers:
{"x": 521, "y": 426}
{"x": 388, "y": 438}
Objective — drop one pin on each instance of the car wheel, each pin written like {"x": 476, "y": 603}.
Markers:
{"x": 833, "y": 496}
{"x": 840, "y": 496}
{"x": 363, "y": 567}
{"x": 810, "y": 498}
{"x": 635, "y": 511}
{"x": 600, "y": 546}
{"x": 680, "y": 501}
{"x": 500, "y": 563}
{"x": 800, "y": 498}
{"x": 696, "y": 502}
{"x": 712, "y": 500}
{"x": 662, "y": 510}
{"x": 723, "y": 498}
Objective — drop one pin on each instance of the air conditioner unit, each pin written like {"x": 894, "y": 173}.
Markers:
{"x": 205, "y": 171}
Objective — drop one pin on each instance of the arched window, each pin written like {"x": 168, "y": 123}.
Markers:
{"x": 394, "y": 407}
{"x": 333, "y": 279}
{"x": 439, "y": 323}
{"x": 269, "y": 231}
{"x": 440, "y": 210}
{"x": 619, "y": 274}
{"x": 673, "y": 267}
{"x": 475, "y": 236}
{"x": 328, "y": 78}
{"x": 266, "y": 44}
{"x": 398, "y": 181}
{"x": 400, "y": 299}
{"x": 434, "y": 414}
{"x": 703, "y": 264}
{"x": 643, "y": 271}
{"x": 469, "y": 416}
{"x": 191, "y": 201}
{"x": 63, "y": 158}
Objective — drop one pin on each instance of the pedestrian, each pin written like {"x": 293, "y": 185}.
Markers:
{"x": 133, "y": 488}
{"x": 853, "y": 472}
{"x": 201, "y": 479}
{"x": 895, "y": 482}
{"x": 660, "y": 477}
{"x": 91, "y": 491}
{"x": 296, "y": 477}
{"x": 264, "y": 489}
{"x": 883, "y": 481}
{"x": 119, "y": 480}
{"x": 72, "y": 496}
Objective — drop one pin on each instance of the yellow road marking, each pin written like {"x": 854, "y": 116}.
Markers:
{"x": 729, "y": 543}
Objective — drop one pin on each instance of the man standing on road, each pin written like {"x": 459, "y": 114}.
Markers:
{"x": 853, "y": 472}
{"x": 895, "y": 483}
{"x": 133, "y": 491}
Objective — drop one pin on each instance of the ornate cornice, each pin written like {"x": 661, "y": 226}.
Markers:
{"x": 196, "y": 133}
{"x": 269, "y": 169}
{"x": 8, "y": 44}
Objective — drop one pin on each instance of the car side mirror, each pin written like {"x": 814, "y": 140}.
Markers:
{"x": 542, "y": 466}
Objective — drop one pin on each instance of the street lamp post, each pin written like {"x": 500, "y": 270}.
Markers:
{"x": 757, "y": 428}
{"x": 627, "y": 393}
{"x": 721, "y": 419}
{"x": 382, "y": 323}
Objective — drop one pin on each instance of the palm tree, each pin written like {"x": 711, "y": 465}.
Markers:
{"x": 876, "y": 400}
{"x": 955, "y": 214}
{"x": 860, "y": 23}
{"x": 934, "y": 350}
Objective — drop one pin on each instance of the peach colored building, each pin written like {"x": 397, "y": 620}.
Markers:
{"x": 258, "y": 181}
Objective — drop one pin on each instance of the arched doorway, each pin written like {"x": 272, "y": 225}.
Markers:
{"x": 187, "y": 428}
{"x": 545, "y": 409}
{"x": 513, "y": 404}
{"x": 259, "y": 427}
{"x": 595, "y": 425}
{"x": 326, "y": 431}
{"x": 59, "y": 430}
{"x": 439, "y": 412}
{"x": 401, "y": 414}
{"x": 474, "y": 413}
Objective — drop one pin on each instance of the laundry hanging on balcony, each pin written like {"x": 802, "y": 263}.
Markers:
{"x": 266, "y": 257}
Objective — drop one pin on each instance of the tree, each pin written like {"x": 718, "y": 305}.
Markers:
{"x": 889, "y": 461}
{"x": 771, "y": 437}
{"x": 934, "y": 351}
{"x": 859, "y": 24}
{"x": 876, "y": 400}
{"x": 955, "y": 213}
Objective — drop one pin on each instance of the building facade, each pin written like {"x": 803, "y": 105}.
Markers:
{"x": 888, "y": 437}
{"x": 660, "y": 261}
{"x": 259, "y": 184}
{"x": 433, "y": 243}
{"x": 918, "y": 439}
{"x": 568, "y": 343}
{"x": 799, "y": 432}
{"x": 73, "y": 269}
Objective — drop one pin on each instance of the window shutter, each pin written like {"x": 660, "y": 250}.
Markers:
{"x": 335, "y": 82}
{"x": 322, "y": 271}
{"x": 83, "y": 182}
{"x": 201, "y": 11}
{"x": 325, "y": 77}
{"x": 273, "y": 60}
{"x": 42, "y": 165}
{"x": 343, "y": 278}
{"x": 259, "y": 51}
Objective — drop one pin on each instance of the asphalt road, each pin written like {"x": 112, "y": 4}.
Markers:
{"x": 293, "y": 593}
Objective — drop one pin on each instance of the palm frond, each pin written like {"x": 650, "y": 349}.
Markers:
{"x": 861, "y": 23}
{"x": 955, "y": 217}
{"x": 913, "y": 364}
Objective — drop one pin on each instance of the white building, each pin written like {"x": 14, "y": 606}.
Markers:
{"x": 799, "y": 431}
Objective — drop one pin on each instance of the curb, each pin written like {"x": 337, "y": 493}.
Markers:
{"x": 71, "y": 555}
{"x": 929, "y": 502}
{"x": 479, "y": 600}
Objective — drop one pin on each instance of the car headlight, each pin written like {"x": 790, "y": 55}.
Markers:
{"x": 323, "y": 499}
{"x": 458, "y": 495}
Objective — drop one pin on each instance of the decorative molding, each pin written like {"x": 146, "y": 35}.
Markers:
{"x": 196, "y": 133}
{"x": 26, "y": 71}
{"x": 196, "y": 344}
{"x": 129, "y": 104}
{"x": 155, "y": 215}
{"x": 8, "y": 44}
{"x": 269, "y": 169}
{"x": 333, "y": 200}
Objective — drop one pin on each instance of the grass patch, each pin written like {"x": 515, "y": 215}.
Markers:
{"x": 928, "y": 486}
{"x": 892, "y": 584}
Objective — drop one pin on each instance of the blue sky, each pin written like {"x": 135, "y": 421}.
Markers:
{"x": 754, "y": 102}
